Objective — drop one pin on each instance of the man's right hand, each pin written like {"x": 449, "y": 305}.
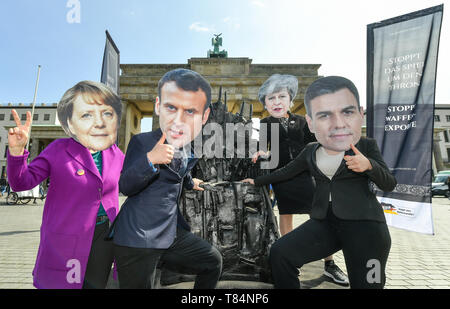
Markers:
{"x": 261, "y": 153}
{"x": 18, "y": 136}
{"x": 161, "y": 153}
{"x": 249, "y": 180}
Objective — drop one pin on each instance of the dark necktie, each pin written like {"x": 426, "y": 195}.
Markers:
{"x": 179, "y": 165}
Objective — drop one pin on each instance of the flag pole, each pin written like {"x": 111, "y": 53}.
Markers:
{"x": 34, "y": 103}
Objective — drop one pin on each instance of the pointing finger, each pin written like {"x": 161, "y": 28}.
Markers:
{"x": 162, "y": 139}
{"x": 355, "y": 150}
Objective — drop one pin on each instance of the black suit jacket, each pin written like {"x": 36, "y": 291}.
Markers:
{"x": 150, "y": 214}
{"x": 351, "y": 196}
{"x": 292, "y": 141}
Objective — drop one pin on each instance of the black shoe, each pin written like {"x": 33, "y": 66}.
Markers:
{"x": 333, "y": 271}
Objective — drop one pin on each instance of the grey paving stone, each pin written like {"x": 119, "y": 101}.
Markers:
{"x": 415, "y": 261}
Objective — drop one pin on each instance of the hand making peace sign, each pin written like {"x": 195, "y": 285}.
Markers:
{"x": 18, "y": 136}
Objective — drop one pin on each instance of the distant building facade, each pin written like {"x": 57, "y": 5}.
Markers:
{"x": 239, "y": 78}
{"x": 442, "y": 135}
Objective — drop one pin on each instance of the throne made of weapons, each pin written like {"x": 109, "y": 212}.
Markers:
{"x": 235, "y": 217}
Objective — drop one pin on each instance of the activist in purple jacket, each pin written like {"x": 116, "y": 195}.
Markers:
{"x": 83, "y": 195}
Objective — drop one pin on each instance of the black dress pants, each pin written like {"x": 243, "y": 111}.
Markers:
{"x": 100, "y": 259}
{"x": 365, "y": 245}
{"x": 189, "y": 254}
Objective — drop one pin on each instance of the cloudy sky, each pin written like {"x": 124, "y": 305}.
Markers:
{"x": 70, "y": 49}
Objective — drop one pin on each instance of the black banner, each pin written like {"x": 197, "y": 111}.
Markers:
{"x": 401, "y": 73}
{"x": 111, "y": 65}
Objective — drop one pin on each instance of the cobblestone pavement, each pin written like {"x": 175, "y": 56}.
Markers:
{"x": 415, "y": 260}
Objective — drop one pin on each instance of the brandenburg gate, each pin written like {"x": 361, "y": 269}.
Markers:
{"x": 238, "y": 77}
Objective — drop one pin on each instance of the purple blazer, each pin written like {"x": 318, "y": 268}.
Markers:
{"x": 73, "y": 199}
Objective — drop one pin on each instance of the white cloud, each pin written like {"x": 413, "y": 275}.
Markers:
{"x": 258, "y": 3}
{"x": 200, "y": 27}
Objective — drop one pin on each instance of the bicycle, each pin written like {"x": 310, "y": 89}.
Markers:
{"x": 24, "y": 197}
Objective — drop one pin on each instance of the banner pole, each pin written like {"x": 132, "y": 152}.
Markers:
{"x": 33, "y": 104}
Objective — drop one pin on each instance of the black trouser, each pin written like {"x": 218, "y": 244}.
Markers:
{"x": 365, "y": 245}
{"x": 100, "y": 260}
{"x": 189, "y": 254}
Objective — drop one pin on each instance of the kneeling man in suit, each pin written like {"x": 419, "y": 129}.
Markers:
{"x": 345, "y": 214}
